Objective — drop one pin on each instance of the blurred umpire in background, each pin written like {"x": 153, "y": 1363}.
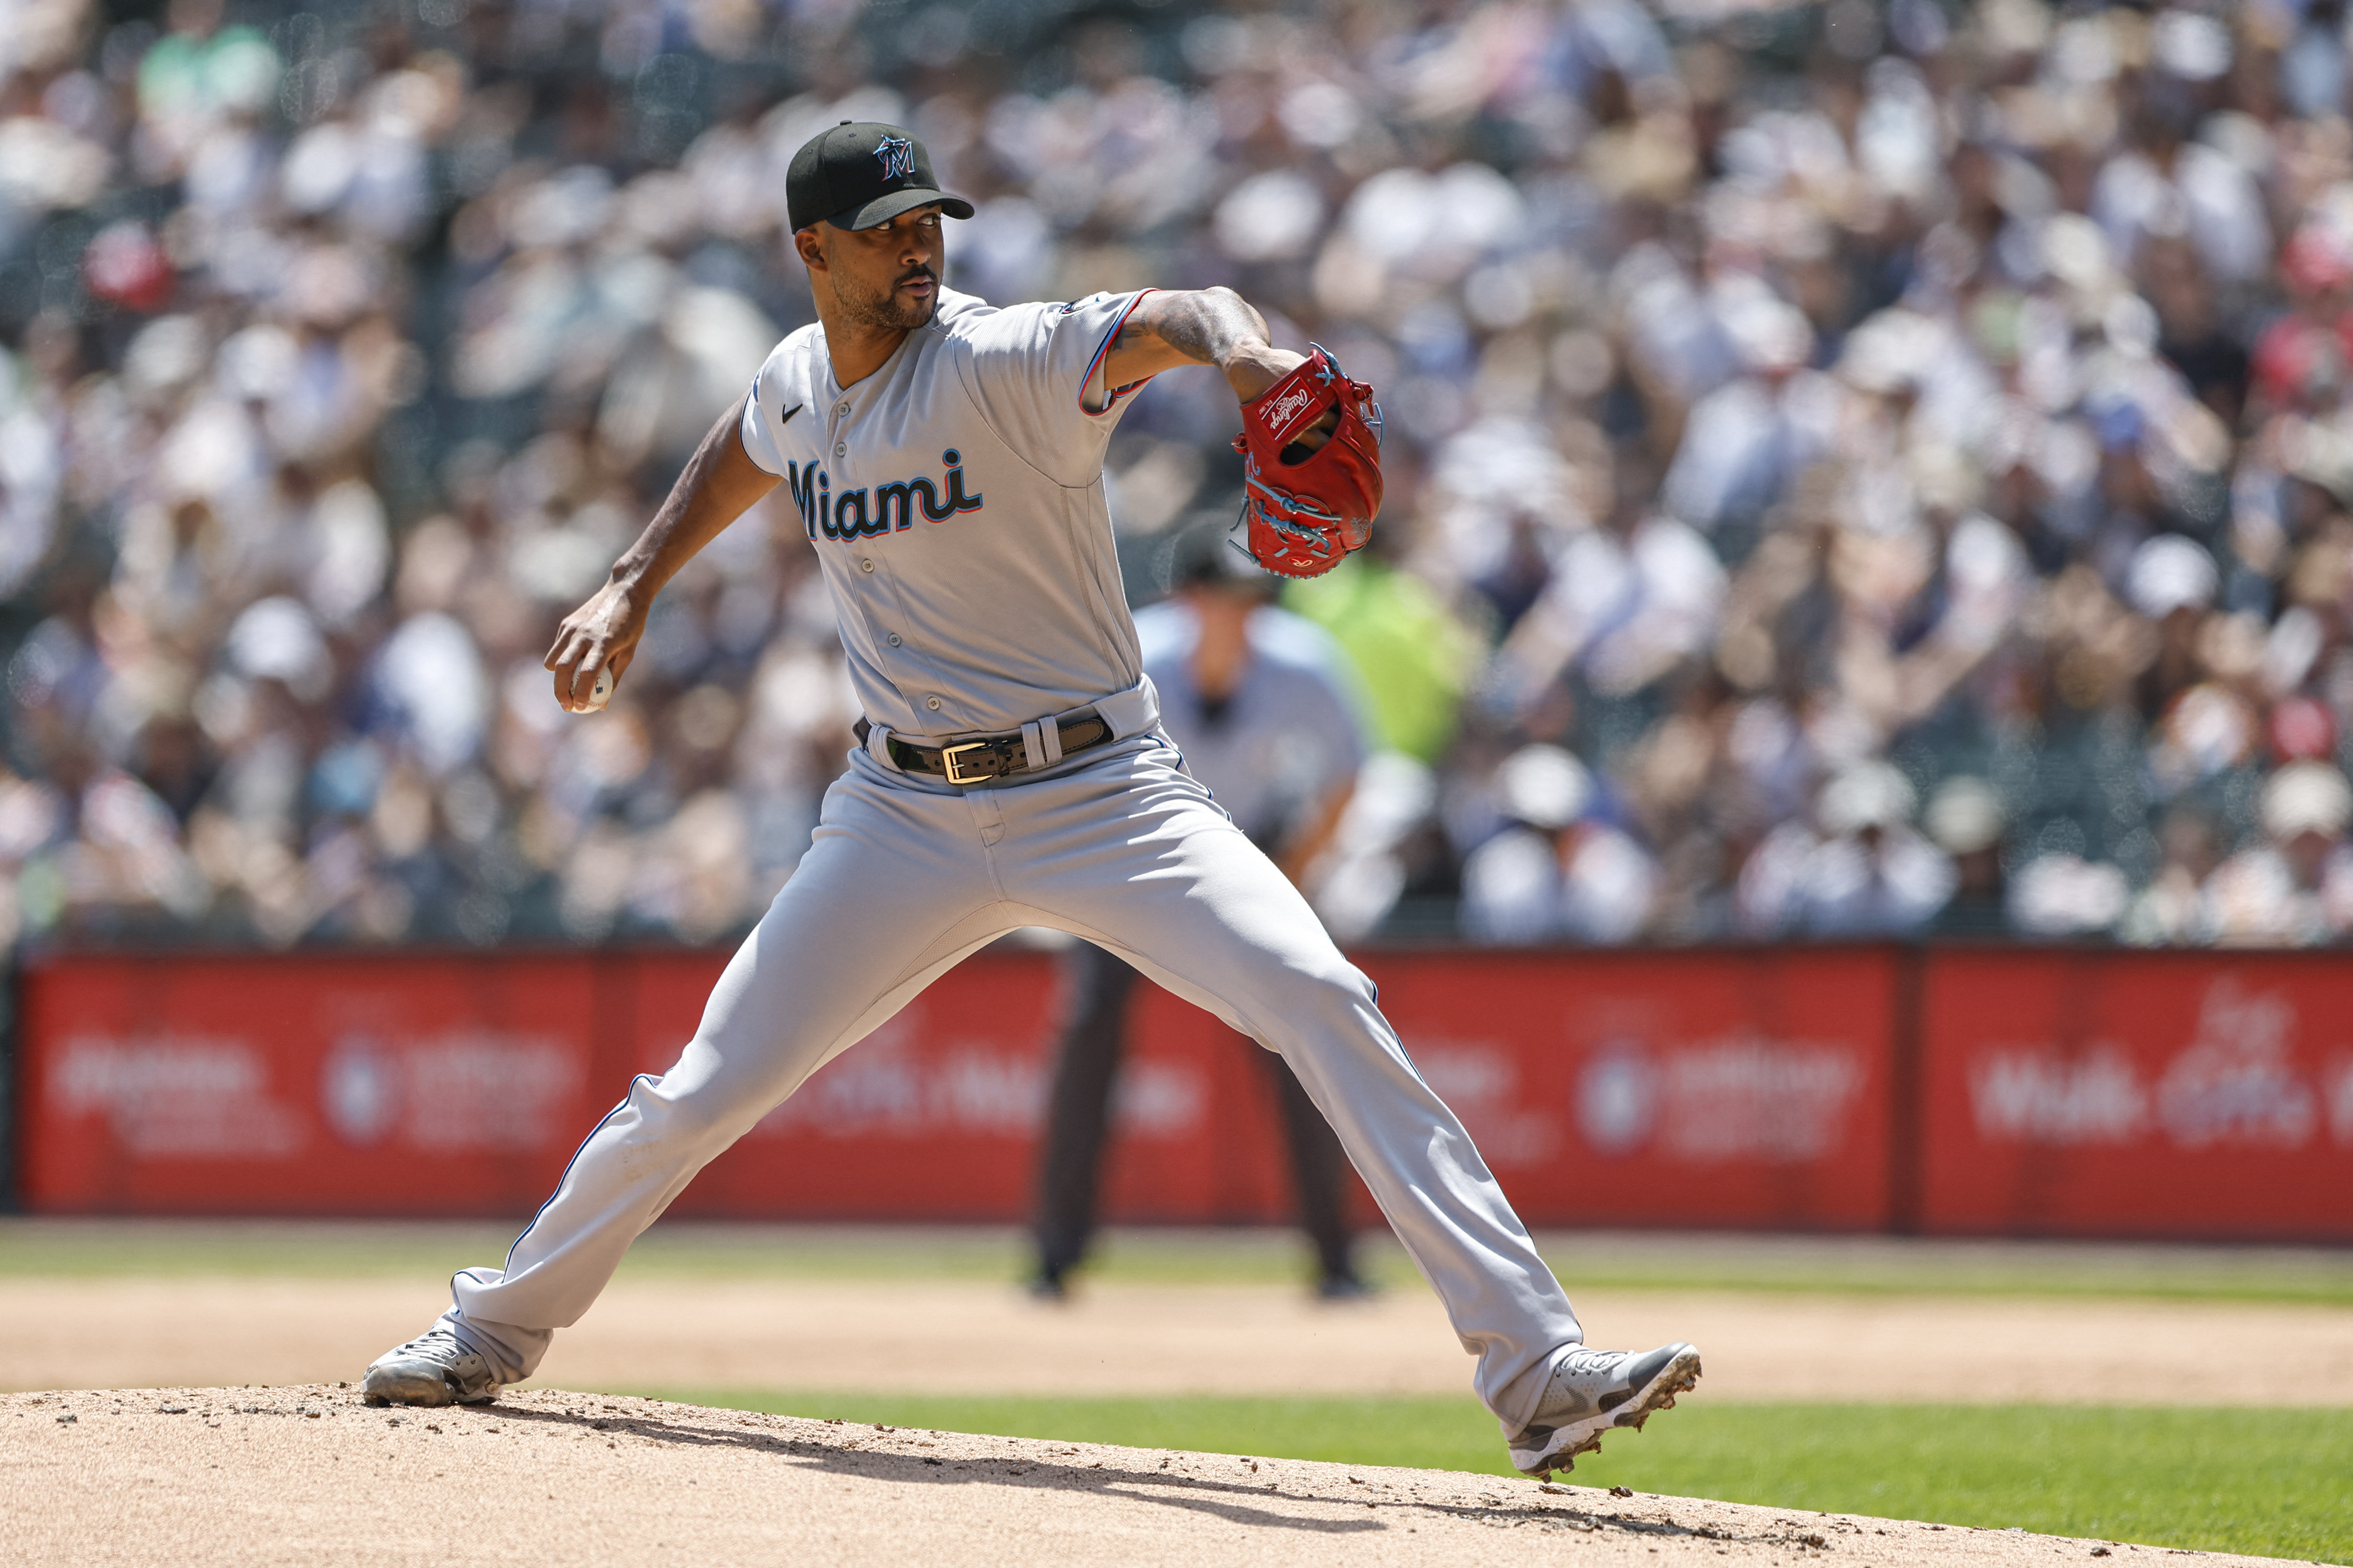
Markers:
{"x": 1264, "y": 707}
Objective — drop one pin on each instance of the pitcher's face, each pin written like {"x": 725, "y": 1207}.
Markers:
{"x": 887, "y": 277}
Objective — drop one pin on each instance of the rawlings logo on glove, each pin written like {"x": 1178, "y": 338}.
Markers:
{"x": 1306, "y": 511}
{"x": 1287, "y": 410}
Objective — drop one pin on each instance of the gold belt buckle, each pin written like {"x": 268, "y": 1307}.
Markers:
{"x": 948, "y": 762}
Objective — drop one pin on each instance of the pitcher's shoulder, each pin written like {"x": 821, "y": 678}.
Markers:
{"x": 800, "y": 346}
{"x": 964, "y": 319}
{"x": 959, "y": 313}
{"x": 790, "y": 361}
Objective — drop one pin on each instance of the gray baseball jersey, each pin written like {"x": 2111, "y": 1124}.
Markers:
{"x": 955, "y": 499}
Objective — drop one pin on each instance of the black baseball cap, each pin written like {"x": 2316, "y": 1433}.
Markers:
{"x": 860, "y": 174}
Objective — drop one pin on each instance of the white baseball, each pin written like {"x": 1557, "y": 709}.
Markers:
{"x": 603, "y": 693}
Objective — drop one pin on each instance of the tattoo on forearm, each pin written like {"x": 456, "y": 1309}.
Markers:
{"x": 1203, "y": 325}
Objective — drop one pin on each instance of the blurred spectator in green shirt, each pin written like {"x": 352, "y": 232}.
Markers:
{"x": 1417, "y": 659}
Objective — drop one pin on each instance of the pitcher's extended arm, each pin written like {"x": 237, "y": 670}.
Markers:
{"x": 1177, "y": 327}
{"x": 716, "y": 487}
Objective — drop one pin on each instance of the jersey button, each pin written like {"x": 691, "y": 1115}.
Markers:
{"x": 933, "y": 703}
{"x": 867, "y": 564}
{"x": 892, "y": 639}
{"x": 841, "y": 448}
{"x": 843, "y": 409}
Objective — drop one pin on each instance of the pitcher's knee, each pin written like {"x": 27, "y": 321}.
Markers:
{"x": 694, "y": 1112}
{"x": 1324, "y": 994}
{"x": 714, "y": 1094}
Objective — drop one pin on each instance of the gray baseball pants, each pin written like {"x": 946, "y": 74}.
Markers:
{"x": 905, "y": 877}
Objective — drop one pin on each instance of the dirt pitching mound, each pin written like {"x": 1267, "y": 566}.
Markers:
{"x": 191, "y": 1478}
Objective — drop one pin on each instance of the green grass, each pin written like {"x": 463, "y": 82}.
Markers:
{"x": 1584, "y": 1261}
{"x": 2268, "y": 1482}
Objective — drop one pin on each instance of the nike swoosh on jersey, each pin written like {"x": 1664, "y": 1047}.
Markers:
{"x": 786, "y": 417}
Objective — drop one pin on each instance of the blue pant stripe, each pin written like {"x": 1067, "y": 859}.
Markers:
{"x": 641, "y": 1078}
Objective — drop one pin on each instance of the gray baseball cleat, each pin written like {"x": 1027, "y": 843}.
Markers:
{"x": 434, "y": 1368}
{"x": 1592, "y": 1392}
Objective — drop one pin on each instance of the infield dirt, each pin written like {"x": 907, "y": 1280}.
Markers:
{"x": 192, "y": 1478}
{"x": 971, "y": 1337}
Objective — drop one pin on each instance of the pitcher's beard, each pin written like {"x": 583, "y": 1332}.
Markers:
{"x": 884, "y": 312}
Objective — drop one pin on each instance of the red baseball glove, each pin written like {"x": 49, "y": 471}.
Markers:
{"x": 1306, "y": 511}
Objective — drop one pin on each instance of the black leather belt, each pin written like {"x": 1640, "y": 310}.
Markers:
{"x": 990, "y": 756}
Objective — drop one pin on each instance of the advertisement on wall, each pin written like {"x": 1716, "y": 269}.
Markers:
{"x": 265, "y": 1085}
{"x": 421, "y": 1086}
{"x": 1742, "y": 1088}
{"x": 2092, "y": 1092}
{"x": 1682, "y": 1089}
{"x": 1687, "y": 1088}
{"x": 2121, "y": 1094}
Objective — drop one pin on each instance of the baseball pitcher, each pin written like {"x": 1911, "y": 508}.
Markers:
{"x": 945, "y": 457}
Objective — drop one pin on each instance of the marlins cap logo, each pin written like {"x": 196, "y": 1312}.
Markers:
{"x": 897, "y": 156}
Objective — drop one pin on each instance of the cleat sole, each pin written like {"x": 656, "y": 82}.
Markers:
{"x": 1680, "y": 1377}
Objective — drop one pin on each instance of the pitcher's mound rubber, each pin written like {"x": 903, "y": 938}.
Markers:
{"x": 250, "y": 1476}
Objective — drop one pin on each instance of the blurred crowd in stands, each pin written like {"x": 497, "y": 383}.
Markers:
{"x": 1853, "y": 469}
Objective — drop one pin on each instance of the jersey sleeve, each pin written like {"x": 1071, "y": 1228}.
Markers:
{"x": 1030, "y": 368}
{"x": 763, "y": 428}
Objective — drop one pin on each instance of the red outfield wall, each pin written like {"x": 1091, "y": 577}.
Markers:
{"x": 1973, "y": 1090}
{"x": 2093, "y": 1092}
